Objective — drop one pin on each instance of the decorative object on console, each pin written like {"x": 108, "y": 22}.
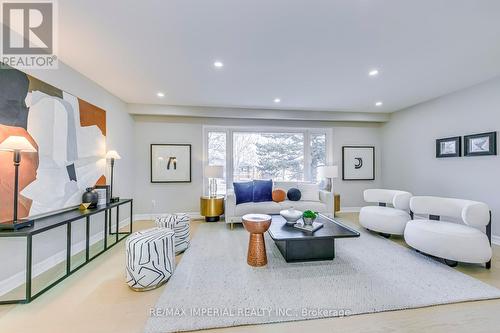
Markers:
{"x": 358, "y": 163}
{"x": 480, "y": 144}
{"x": 294, "y": 194}
{"x": 328, "y": 172}
{"x": 309, "y": 216}
{"x": 69, "y": 135}
{"x": 17, "y": 145}
{"x": 256, "y": 225}
{"x": 243, "y": 192}
{"x": 84, "y": 206}
{"x": 279, "y": 195}
{"x": 449, "y": 147}
{"x": 211, "y": 208}
{"x": 291, "y": 215}
{"x": 112, "y": 155}
{"x": 90, "y": 196}
{"x": 156, "y": 245}
{"x": 103, "y": 195}
{"x": 213, "y": 172}
{"x": 170, "y": 163}
{"x": 262, "y": 190}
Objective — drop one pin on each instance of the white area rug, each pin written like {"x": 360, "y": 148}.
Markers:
{"x": 214, "y": 287}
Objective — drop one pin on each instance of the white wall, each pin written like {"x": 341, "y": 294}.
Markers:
{"x": 47, "y": 247}
{"x": 409, "y": 161}
{"x": 185, "y": 197}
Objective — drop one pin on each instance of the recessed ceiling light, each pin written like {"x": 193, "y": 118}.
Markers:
{"x": 379, "y": 104}
{"x": 373, "y": 72}
{"x": 160, "y": 94}
{"x": 277, "y": 100}
{"x": 218, "y": 64}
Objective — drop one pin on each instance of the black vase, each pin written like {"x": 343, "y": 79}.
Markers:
{"x": 91, "y": 196}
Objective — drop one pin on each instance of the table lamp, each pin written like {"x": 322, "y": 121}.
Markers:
{"x": 17, "y": 145}
{"x": 328, "y": 172}
{"x": 213, "y": 172}
{"x": 112, "y": 155}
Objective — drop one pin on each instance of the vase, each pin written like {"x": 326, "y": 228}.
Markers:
{"x": 309, "y": 220}
{"x": 90, "y": 196}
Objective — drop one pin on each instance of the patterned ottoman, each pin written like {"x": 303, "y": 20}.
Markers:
{"x": 150, "y": 258}
{"x": 179, "y": 223}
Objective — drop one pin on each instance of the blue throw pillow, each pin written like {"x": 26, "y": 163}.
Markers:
{"x": 294, "y": 194}
{"x": 262, "y": 190}
{"x": 243, "y": 192}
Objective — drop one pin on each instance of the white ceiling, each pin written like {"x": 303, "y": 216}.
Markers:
{"x": 314, "y": 55}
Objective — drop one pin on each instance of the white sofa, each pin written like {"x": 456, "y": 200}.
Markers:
{"x": 318, "y": 200}
{"x": 386, "y": 220}
{"x": 465, "y": 235}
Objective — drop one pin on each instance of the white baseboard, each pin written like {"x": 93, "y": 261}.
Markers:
{"x": 148, "y": 217}
{"x": 495, "y": 239}
{"x": 19, "y": 279}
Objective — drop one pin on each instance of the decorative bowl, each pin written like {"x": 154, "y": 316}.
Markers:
{"x": 291, "y": 215}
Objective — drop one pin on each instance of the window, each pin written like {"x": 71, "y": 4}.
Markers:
{"x": 318, "y": 154}
{"x": 216, "y": 155}
{"x": 278, "y": 154}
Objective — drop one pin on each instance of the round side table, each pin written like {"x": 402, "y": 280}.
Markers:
{"x": 212, "y": 207}
{"x": 256, "y": 225}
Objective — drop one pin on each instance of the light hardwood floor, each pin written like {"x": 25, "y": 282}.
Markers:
{"x": 95, "y": 299}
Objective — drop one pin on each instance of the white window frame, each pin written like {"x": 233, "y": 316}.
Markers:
{"x": 328, "y": 131}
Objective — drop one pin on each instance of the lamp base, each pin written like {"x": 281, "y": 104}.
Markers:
{"x": 11, "y": 225}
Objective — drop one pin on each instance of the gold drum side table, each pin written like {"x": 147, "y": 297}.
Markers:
{"x": 212, "y": 208}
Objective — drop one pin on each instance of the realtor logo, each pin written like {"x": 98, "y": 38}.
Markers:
{"x": 28, "y": 34}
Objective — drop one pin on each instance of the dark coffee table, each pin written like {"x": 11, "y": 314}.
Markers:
{"x": 297, "y": 245}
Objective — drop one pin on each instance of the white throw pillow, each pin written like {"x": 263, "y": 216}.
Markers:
{"x": 309, "y": 192}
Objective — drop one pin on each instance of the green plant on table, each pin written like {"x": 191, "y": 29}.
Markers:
{"x": 309, "y": 214}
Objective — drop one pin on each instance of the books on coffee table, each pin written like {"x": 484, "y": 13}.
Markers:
{"x": 309, "y": 228}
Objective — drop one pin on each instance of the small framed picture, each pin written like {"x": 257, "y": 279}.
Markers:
{"x": 358, "y": 163}
{"x": 103, "y": 194}
{"x": 170, "y": 163}
{"x": 480, "y": 144}
{"x": 449, "y": 147}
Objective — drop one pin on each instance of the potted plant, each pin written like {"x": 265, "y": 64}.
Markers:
{"x": 309, "y": 216}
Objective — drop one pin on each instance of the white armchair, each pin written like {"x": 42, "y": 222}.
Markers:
{"x": 384, "y": 219}
{"x": 465, "y": 235}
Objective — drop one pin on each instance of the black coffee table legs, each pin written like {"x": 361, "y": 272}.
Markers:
{"x": 307, "y": 250}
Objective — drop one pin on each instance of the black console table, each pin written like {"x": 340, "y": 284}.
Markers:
{"x": 67, "y": 219}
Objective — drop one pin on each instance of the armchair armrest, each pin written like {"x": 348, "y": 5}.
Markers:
{"x": 326, "y": 197}
{"x": 230, "y": 209}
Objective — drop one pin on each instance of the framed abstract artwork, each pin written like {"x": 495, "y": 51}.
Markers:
{"x": 358, "y": 163}
{"x": 69, "y": 135}
{"x": 480, "y": 144}
{"x": 170, "y": 163}
{"x": 449, "y": 147}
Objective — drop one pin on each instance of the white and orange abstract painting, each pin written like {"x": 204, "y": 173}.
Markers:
{"x": 69, "y": 135}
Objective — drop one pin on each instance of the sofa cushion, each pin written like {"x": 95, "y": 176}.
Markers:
{"x": 293, "y": 194}
{"x": 267, "y": 207}
{"x": 243, "y": 191}
{"x": 279, "y": 195}
{"x": 309, "y": 192}
{"x": 302, "y": 205}
{"x": 384, "y": 219}
{"x": 285, "y": 185}
{"x": 262, "y": 190}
